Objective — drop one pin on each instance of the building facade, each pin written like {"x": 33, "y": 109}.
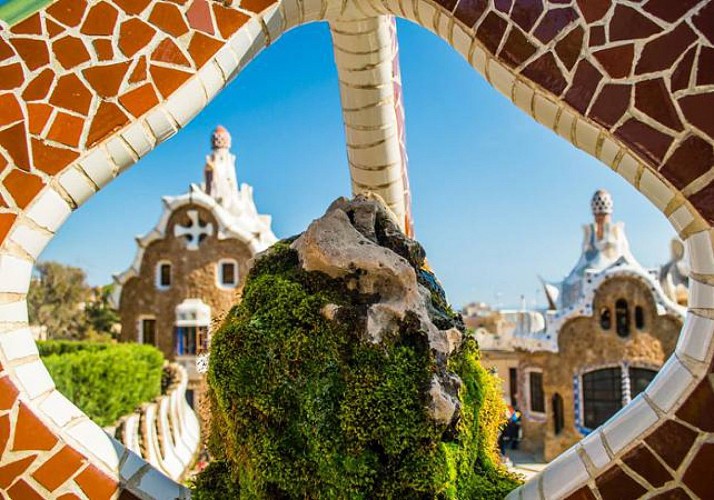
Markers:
{"x": 186, "y": 270}
{"x": 608, "y": 328}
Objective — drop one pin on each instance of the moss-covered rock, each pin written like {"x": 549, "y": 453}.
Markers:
{"x": 343, "y": 373}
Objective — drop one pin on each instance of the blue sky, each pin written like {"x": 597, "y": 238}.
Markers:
{"x": 497, "y": 198}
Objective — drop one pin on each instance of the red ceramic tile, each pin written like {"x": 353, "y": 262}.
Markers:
{"x": 30, "y": 26}
{"x": 570, "y": 46}
{"x": 13, "y": 470}
{"x": 597, "y": 36}
{"x": 642, "y": 461}
{"x": 134, "y": 35}
{"x": 615, "y": 484}
{"x": 167, "y": 80}
{"x": 8, "y": 391}
{"x": 704, "y": 21}
{"x": 67, "y": 12}
{"x": 705, "y": 66}
{"x": 10, "y": 110}
{"x": 697, "y": 111}
{"x": 661, "y": 52}
{"x": 34, "y": 52}
{"x": 673, "y": 494}
{"x": 468, "y": 12}
{"x": 554, "y": 23}
{"x": 667, "y": 10}
{"x": 38, "y": 114}
{"x": 70, "y": 93}
{"x": 695, "y": 409}
{"x": 617, "y": 61}
{"x": 23, "y": 188}
{"x": 526, "y": 12}
{"x": 259, "y": 6}
{"x": 133, "y": 7}
{"x": 101, "y": 19}
{"x": 652, "y": 98}
{"x": 583, "y": 493}
{"x": 108, "y": 119}
{"x": 594, "y": 10}
{"x": 6, "y": 222}
{"x": 23, "y": 491}
{"x": 14, "y": 140}
{"x": 168, "y": 18}
{"x": 199, "y": 16}
{"x": 629, "y": 24}
{"x": 53, "y": 29}
{"x": 11, "y": 76}
{"x": 202, "y": 48}
{"x": 139, "y": 100}
{"x": 583, "y": 86}
{"x": 51, "y": 159}
{"x": 55, "y": 471}
{"x": 69, "y": 496}
{"x": 649, "y": 142}
{"x": 70, "y": 52}
{"x": 491, "y": 31}
{"x": 228, "y": 20}
{"x": 692, "y": 159}
{"x": 517, "y": 49}
{"x": 167, "y": 51}
{"x": 698, "y": 477}
{"x": 96, "y": 485}
{"x": 703, "y": 201}
{"x": 139, "y": 72}
{"x": 5, "y": 50}
{"x": 66, "y": 129}
{"x": 545, "y": 72}
{"x": 103, "y": 48}
{"x": 5, "y": 419}
{"x": 683, "y": 71}
{"x": 106, "y": 79}
{"x": 37, "y": 89}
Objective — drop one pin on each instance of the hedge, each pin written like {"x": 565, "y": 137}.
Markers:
{"x": 106, "y": 381}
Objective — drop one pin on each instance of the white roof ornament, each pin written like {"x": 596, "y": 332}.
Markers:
{"x": 602, "y": 203}
{"x": 195, "y": 232}
{"x": 193, "y": 312}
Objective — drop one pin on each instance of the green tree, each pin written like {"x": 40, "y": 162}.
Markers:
{"x": 102, "y": 317}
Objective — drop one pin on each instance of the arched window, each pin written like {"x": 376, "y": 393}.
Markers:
{"x": 602, "y": 395}
{"x": 622, "y": 318}
{"x": 163, "y": 275}
{"x": 639, "y": 318}
{"x": 558, "y": 417}
{"x": 536, "y": 395}
{"x": 605, "y": 318}
{"x": 227, "y": 273}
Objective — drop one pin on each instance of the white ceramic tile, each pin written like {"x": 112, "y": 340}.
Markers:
{"x": 681, "y": 218}
{"x": 523, "y": 97}
{"x": 586, "y": 136}
{"x": 501, "y": 78}
{"x": 14, "y": 312}
{"x": 462, "y": 41}
{"x": 76, "y": 185}
{"x": 564, "y": 475}
{"x": 426, "y": 15}
{"x": 696, "y": 337}
{"x": 701, "y": 295}
{"x": 628, "y": 423}
{"x": 656, "y": 190}
{"x": 98, "y": 167}
{"x": 595, "y": 450}
{"x": 545, "y": 111}
{"x": 227, "y": 62}
{"x": 15, "y": 274}
{"x": 160, "y": 124}
{"x": 608, "y": 151}
{"x": 135, "y": 135}
{"x": 478, "y": 60}
{"x": 96, "y": 441}
{"x": 32, "y": 240}
{"x": 530, "y": 490}
{"x": 701, "y": 255}
{"x": 120, "y": 152}
{"x": 60, "y": 409}
{"x": 669, "y": 384}
{"x": 34, "y": 378}
{"x": 18, "y": 344}
{"x": 274, "y": 21}
{"x": 564, "y": 127}
{"x": 186, "y": 102}
{"x": 628, "y": 168}
{"x": 49, "y": 210}
{"x": 212, "y": 79}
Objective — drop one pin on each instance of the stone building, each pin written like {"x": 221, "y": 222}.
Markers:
{"x": 186, "y": 270}
{"x": 608, "y": 329}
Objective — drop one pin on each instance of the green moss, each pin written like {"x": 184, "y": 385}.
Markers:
{"x": 303, "y": 407}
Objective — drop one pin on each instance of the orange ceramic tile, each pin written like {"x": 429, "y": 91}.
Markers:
{"x": 139, "y": 100}
{"x": 11, "y": 471}
{"x": 168, "y": 18}
{"x": 23, "y": 491}
{"x": 168, "y": 52}
{"x": 23, "y": 187}
{"x": 30, "y": 26}
{"x": 53, "y": 29}
{"x": 10, "y": 110}
{"x": 70, "y": 93}
{"x": 5, "y": 50}
{"x": 8, "y": 391}
{"x": 105, "y": 80}
{"x": 54, "y": 472}
{"x": 139, "y": 73}
{"x": 101, "y": 20}
{"x": 199, "y": 16}
{"x": 228, "y": 20}
{"x": 134, "y": 7}
{"x": 70, "y": 52}
{"x": 11, "y": 76}
{"x": 68, "y": 496}
{"x": 37, "y": 89}
{"x": 109, "y": 118}
{"x": 66, "y": 129}
{"x": 202, "y": 48}
{"x": 34, "y": 52}
{"x": 167, "y": 80}
{"x": 256, "y": 6}
{"x": 30, "y": 433}
{"x": 68, "y": 12}
{"x": 103, "y": 48}
{"x": 4, "y": 432}
{"x": 14, "y": 140}
{"x": 134, "y": 35}
{"x": 6, "y": 222}
{"x": 51, "y": 159}
{"x": 96, "y": 485}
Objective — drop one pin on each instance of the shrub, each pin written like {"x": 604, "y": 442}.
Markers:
{"x": 303, "y": 407}
{"x": 106, "y": 381}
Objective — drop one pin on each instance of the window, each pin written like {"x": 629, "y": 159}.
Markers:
{"x": 537, "y": 398}
{"x": 558, "y": 417}
{"x": 639, "y": 318}
{"x": 163, "y": 275}
{"x": 602, "y": 395}
{"x": 622, "y": 318}
{"x": 640, "y": 378}
{"x": 513, "y": 385}
{"x": 191, "y": 340}
{"x": 148, "y": 331}
{"x": 605, "y": 318}
{"x": 227, "y": 273}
